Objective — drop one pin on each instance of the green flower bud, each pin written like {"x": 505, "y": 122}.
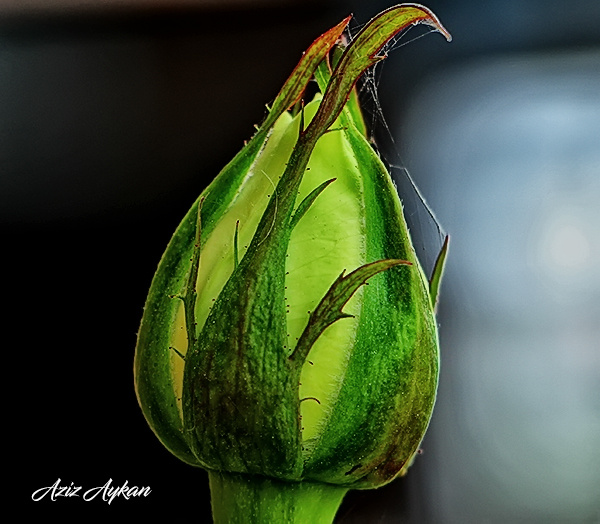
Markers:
{"x": 261, "y": 354}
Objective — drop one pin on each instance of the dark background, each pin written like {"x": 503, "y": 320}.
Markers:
{"x": 112, "y": 121}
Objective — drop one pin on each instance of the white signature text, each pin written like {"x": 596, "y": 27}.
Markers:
{"x": 107, "y": 492}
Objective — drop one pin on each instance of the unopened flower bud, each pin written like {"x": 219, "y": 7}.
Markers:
{"x": 261, "y": 353}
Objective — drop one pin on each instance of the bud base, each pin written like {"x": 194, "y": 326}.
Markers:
{"x": 251, "y": 499}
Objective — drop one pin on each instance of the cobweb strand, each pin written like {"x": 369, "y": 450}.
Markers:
{"x": 426, "y": 229}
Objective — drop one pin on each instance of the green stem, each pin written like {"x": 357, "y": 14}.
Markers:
{"x": 247, "y": 499}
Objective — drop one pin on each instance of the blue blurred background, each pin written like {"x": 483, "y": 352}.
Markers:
{"x": 115, "y": 115}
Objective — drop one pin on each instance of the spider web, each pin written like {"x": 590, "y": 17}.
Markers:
{"x": 427, "y": 232}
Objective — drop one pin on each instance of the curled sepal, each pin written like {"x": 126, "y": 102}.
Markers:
{"x": 361, "y": 53}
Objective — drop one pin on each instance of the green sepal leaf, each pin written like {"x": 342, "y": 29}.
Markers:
{"x": 437, "y": 273}
{"x": 352, "y": 112}
{"x": 330, "y": 309}
{"x": 190, "y": 294}
{"x": 308, "y": 201}
{"x": 303, "y": 73}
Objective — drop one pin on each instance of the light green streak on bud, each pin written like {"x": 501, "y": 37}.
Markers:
{"x": 329, "y": 239}
{"x": 217, "y": 261}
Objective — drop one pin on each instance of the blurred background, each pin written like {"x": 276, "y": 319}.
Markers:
{"x": 114, "y": 115}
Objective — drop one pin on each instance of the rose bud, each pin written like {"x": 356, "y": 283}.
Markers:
{"x": 262, "y": 356}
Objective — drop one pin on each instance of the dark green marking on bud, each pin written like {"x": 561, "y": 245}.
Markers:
{"x": 177, "y": 352}
{"x": 236, "y": 258}
{"x": 310, "y": 398}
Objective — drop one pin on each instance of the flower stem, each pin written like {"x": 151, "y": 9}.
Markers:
{"x": 251, "y": 499}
